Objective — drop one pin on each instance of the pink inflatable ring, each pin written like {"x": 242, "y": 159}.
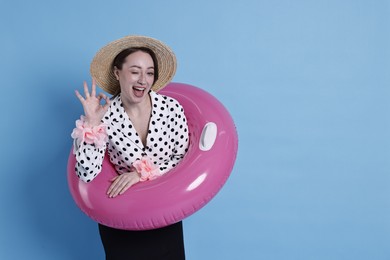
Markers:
{"x": 182, "y": 191}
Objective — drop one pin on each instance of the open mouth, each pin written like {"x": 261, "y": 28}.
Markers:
{"x": 138, "y": 91}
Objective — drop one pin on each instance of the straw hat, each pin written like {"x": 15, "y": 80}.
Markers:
{"x": 101, "y": 65}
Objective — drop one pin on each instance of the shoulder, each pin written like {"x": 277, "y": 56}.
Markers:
{"x": 116, "y": 101}
{"x": 169, "y": 102}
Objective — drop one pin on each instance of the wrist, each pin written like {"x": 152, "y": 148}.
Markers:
{"x": 146, "y": 169}
{"x": 91, "y": 123}
{"x": 83, "y": 132}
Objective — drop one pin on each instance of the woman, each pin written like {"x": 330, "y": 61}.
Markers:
{"x": 144, "y": 133}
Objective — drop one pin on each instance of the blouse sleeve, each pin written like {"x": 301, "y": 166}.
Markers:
{"x": 89, "y": 160}
{"x": 179, "y": 139}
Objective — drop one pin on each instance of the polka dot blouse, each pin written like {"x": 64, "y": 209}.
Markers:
{"x": 166, "y": 144}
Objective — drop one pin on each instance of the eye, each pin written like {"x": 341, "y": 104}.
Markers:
{"x": 151, "y": 73}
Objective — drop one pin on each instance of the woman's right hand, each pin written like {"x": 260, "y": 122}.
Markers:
{"x": 93, "y": 109}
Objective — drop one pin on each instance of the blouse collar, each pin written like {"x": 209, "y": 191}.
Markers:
{"x": 117, "y": 107}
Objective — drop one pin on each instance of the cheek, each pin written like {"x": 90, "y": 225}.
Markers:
{"x": 151, "y": 79}
{"x": 127, "y": 78}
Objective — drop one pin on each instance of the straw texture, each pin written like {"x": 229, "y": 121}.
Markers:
{"x": 101, "y": 65}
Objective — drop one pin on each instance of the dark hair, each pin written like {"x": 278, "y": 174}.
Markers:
{"x": 121, "y": 58}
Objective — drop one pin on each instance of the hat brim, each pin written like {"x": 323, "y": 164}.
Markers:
{"x": 101, "y": 65}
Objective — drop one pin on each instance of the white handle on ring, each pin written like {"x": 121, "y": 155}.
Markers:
{"x": 208, "y": 136}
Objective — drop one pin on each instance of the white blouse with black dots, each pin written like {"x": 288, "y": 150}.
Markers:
{"x": 166, "y": 144}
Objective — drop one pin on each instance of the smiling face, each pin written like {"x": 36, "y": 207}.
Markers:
{"x": 136, "y": 77}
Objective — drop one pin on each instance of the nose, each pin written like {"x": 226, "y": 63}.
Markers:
{"x": 142, "y": 79}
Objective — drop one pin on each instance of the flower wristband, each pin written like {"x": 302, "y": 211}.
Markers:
{"x": 91, "y": 135}
{"x": 146, "y": 169}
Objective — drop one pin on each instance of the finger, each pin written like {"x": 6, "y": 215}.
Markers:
{"x": 111, "y": 190}
{"x": 93, "y": 93}
{"x": 101, "y": 96}
{"x": 126, "y": 187}
{"x": 108, "y": 102}
{"x": 112, "y": 185}
{"x": 115, "y": 192}
{"x": 117, "y": 187}
{"x": 134, "y": 179}
{"x": 121, "y": 184}
{"x": 86, "y": 91}
{"x": 79, "y": 96}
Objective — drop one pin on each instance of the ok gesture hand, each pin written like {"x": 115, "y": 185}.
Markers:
{"x": 93, "y": 109}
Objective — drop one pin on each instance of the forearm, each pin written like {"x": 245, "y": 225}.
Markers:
{"x": 89, "y": 160}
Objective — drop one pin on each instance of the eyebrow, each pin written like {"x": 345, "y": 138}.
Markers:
{"x": 139, "y": 67}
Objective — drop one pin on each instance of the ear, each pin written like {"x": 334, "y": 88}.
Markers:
{"x": 116, "y": 73}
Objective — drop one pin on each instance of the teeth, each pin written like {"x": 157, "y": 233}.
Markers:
{"x": 139, "y": 88}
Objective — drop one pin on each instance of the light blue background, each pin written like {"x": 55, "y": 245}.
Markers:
{"x": 307, "y": 83}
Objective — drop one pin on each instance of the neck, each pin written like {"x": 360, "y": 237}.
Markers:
{"x": 137, "y": 109}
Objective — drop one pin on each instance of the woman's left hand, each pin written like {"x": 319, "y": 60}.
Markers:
{"x": 121, "y": 183}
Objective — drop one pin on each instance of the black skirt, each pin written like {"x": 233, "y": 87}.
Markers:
{"x": 162, "y": 244}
